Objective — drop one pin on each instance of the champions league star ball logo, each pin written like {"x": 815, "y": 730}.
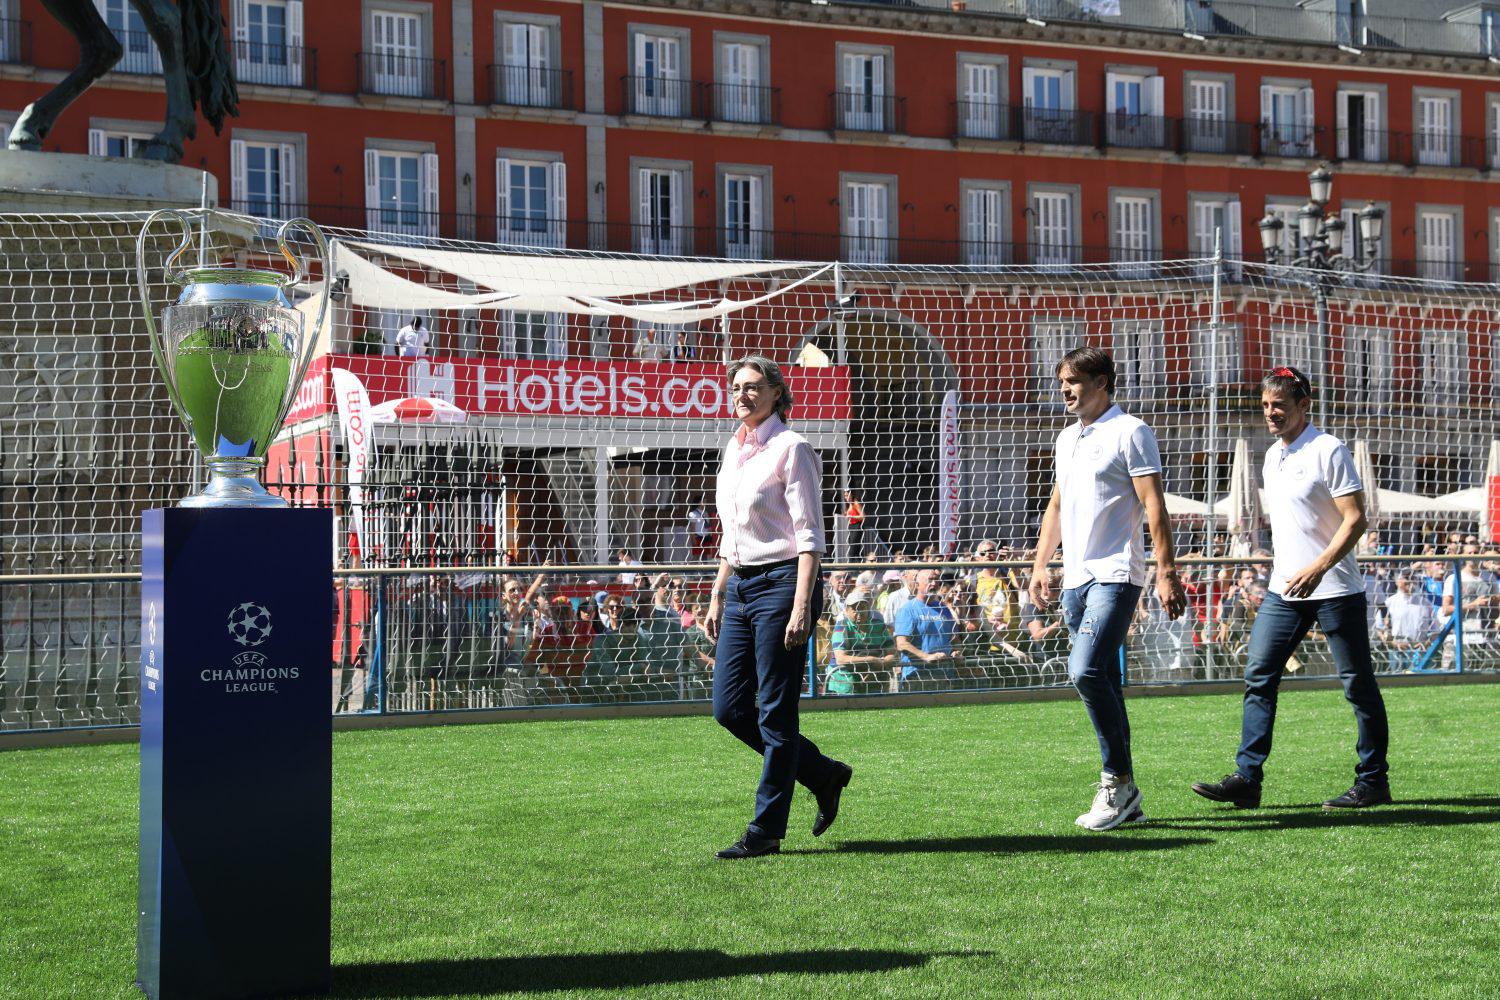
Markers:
{"x": 250, "y": 624}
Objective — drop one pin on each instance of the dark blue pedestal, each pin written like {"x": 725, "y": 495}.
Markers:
{"x": 236, "y": 753}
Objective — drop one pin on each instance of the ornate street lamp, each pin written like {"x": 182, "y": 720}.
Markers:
{"x": 1319, "y": 241}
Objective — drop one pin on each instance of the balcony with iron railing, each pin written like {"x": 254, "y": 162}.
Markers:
{"x": 1056, "y": 126}
{"x": 275, "y": 65}
{"x": 140, "y": 57}
{"x": 859, "y": 111}
{"x": 661, "y": 97}
{"x": 15, "y": 41}
{"x": 744, "y": 104}
{"x": 531, "y": 86}
{"x": 1132, "y": 131}
{"x": 1413, "y": 149}
{"x": 1282, "y": 139}
{"x": 1216, "y": 135}
{"x": 394, "y": 74}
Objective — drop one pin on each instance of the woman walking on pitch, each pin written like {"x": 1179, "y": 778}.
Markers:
{"x": 764, "y": 599}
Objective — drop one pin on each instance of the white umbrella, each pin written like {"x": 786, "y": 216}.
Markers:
{"x": 1181, "y": 506}
{"x": 1244, "y": 498}
{"x": 1364, "y": 467}
{"x": 1469, "y": 501}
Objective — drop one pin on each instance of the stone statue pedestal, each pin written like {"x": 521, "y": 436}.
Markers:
{"x": 68, "y": 182}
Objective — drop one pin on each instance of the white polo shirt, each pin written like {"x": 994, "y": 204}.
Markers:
{"x": 1101, "y": 515}
{"x": 1302, "y": 480}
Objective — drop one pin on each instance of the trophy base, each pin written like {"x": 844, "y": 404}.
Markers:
{"x": 234, "y": 486}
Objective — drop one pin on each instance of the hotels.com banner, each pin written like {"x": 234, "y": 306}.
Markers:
{"x": 651, "y": 389}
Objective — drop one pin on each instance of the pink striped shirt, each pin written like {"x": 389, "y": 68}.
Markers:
{"x": 770, "y": 495}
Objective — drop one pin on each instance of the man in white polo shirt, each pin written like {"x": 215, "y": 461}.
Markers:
{"x": 1108, "y": 478}
{"x": 1315, "y": 503}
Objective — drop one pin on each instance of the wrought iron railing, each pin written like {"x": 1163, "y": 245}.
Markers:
{"x": 396, "y": 74}
{"x": 531, "y": 86}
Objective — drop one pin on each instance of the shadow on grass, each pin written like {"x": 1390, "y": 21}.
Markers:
{"x": 607, "y": 971}
{"x": 1015, "y": 844}
{"x": 1462, "y": 811}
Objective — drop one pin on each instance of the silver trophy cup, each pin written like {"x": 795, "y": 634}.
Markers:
{"x": 234, "y": 353}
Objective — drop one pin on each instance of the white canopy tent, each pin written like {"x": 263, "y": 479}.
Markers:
{"x": 538, "y": 283}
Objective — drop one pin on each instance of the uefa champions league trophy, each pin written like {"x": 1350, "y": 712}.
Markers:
{"x": 234, "y": 352}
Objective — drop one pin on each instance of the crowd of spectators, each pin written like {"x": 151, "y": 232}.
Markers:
{"x": 640, "y": 637}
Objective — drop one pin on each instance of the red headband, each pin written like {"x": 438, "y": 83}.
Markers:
{"x": 1285, "y": 372}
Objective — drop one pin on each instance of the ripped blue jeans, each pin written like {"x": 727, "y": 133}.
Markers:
{"x": 1098, "y": 616}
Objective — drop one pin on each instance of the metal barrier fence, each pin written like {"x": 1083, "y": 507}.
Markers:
{"x": 425, "y": 640}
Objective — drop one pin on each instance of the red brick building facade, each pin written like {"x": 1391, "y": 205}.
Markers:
{"x": 884, "y": 133}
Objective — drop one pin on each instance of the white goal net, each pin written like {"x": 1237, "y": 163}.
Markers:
{"x": 562, "y": 413}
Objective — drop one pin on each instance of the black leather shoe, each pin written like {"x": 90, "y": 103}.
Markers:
{"x": 828, "y": 798}
{"x": 750, "y": 846}
{"x": 1232, "y": 788}
{"x": 1360, "y": 796}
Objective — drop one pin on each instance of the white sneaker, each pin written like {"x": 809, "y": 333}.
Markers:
{"x": 1117, "y": 802}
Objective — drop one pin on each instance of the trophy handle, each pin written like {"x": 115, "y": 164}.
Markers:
{"x": 153, "y": 336}
{"x": 299, "y": 275}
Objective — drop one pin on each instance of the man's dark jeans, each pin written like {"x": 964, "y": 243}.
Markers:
{"x": 1279, "y": 628}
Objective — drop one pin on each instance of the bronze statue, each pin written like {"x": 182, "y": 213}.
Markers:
{"x": 195, "y": 62}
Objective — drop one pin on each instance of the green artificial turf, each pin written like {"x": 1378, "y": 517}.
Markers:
{"x": 577, "y": 857}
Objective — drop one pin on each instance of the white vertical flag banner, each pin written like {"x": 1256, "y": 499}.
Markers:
{"x": 354, "y": 416}
{"x": 949, "y": 475}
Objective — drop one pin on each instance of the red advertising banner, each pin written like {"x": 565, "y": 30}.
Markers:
{"x": 666, "y": 390}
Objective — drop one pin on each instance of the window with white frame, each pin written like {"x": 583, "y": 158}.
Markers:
{"x": 658, "y": 76}
{"x": 1489, "y": 32}
{"x": 401, "y": 192}
{"x": 141, "y": 55}
{"x": 1048, "y": 102}
{"x": 1140, "y": 356}
{"x": 1134, "y": 227}
{"x": 1208, "y": 116}
{"x": 10, "y": 42}
{"x": 1492, "y": 131}
{"x": 1300, "y": 347}
{"x": 1367, "y": 365}
{"x": 867, "y": 224}
{"x": 1050, "y": 340}
{"x": 532, "y": 198}
{"x": 1445, "y": 366}
{"x": 861, "y": 101}
{"x": 396, "y": 62}
{"x": 1359, "y": 127}
{"x": 1437, "y": 244}
{"x": 533, "y": 336}
{"x": 268, "y": 42}
{"x": 525, "y": 76}
{"x": 740, "y": 94}
{"x": 1437, "y": 139}
{"x": 1494, "y": 251}
{"x": 981, "y": 113}
{"x": 1354, "y": 245}
{"x": 1286, "y": 212}
{"x": 1286, "y": 120}
{"x": 117, "y": 142}
{"x": 661, "y": 213}
{"x": 744, "y": 228}
{"x": 1217, "y": 217}
{"x": 1217, "y": 356}
{"x": 986, "y": 225}
{"x": 1133, "y": 109}
{"x": 1052, "y": 227}
{"x": 263, "y": 178}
